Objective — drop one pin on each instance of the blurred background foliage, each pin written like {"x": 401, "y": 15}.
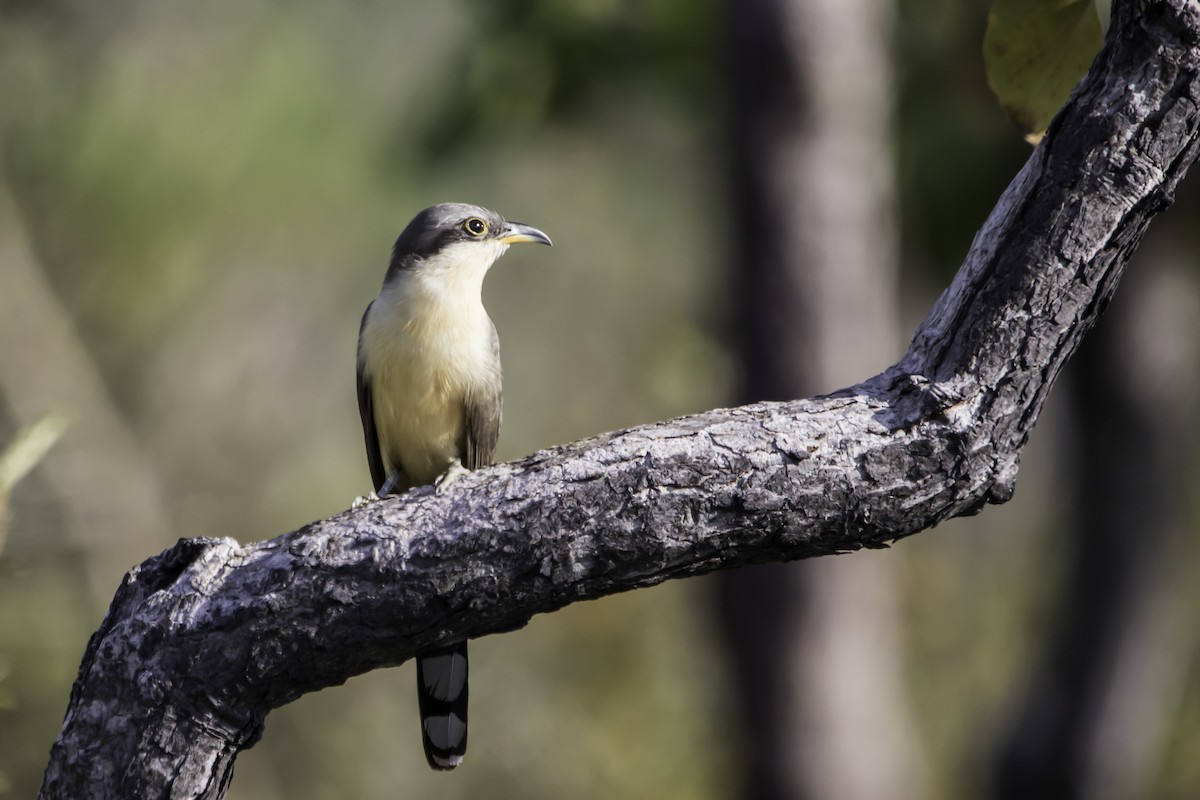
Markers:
{"x": 207, "y": 193}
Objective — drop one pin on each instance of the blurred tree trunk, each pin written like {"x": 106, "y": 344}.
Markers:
{"x": 815, "y": 646}
{"x": 1093, "y": 721}
{"x": 112, "y": 500}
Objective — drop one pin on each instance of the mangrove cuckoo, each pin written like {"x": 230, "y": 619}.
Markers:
{"x": 429, "y": 396}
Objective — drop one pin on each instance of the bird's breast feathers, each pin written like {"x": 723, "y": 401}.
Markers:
{"x": 428, "y": 346}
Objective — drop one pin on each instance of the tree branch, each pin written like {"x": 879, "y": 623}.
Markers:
{"x": 203, "y": 640}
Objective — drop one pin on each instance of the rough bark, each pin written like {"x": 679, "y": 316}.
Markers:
{"x": 203, "y": 640}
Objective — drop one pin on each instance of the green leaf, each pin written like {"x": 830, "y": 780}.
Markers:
{"x": 1035, "y": 51}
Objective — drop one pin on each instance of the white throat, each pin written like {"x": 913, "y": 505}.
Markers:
{"x": 455, "y": 274}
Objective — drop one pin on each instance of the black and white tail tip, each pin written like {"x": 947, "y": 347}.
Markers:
{"x": 442, "y": 698}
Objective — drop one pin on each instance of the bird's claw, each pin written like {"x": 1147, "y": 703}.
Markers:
{"x": 455, "y": 471}
{"x": 365, "y": 500}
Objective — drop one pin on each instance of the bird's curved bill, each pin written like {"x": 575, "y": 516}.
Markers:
{"x": 515, "y": 232}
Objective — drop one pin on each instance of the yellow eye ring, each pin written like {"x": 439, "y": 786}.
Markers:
{"x": 475, "y": 226}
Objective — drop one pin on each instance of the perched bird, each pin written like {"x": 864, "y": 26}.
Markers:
{"x": 429, "y": 393}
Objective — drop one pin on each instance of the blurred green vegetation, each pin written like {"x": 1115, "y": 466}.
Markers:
{"x": 212, "y": 191}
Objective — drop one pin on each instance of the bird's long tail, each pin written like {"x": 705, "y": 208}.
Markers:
{"x": 442, "y": 698}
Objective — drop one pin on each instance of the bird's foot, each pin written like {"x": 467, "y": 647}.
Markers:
{"x": 455, "y": 471}
{"x": 365, "y": 500}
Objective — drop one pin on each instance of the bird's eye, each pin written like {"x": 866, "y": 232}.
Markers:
{"x": 475, "y": 226}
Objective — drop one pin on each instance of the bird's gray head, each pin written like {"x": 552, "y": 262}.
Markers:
{"x": 459, "y": 226}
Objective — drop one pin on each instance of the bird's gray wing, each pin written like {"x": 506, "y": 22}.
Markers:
{"x": 482, "y": 414}
{"x": 367, "y": 412}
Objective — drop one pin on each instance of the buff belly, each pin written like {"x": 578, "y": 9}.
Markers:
{"x": 419, "y": 391}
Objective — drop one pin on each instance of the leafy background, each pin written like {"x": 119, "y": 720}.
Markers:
{"x": 210, "y": 192}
